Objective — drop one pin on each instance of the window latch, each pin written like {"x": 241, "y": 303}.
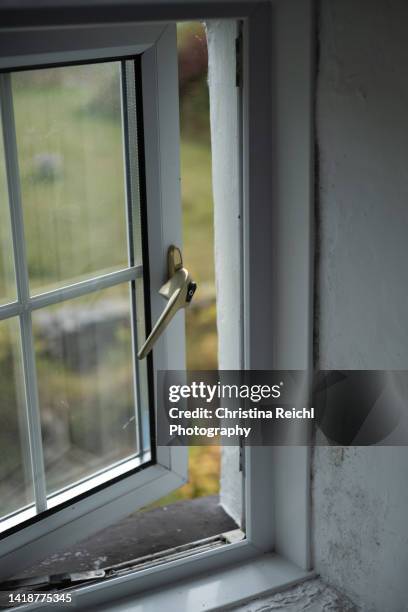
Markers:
{"x": 178, "y": 290}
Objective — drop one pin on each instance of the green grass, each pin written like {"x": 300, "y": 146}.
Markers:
{"x": 198, "y": 238}
{"x": 197, "y": 209}
{"x": 203, "y": 476}
{"x": 75, "y": 218}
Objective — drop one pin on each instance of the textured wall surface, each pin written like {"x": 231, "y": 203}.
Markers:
{"x": 360, "y": 495}
{"x": 310, "y": 596}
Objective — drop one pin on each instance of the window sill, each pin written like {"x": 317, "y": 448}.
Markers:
{"x": 142, "y": 533}
{"x": 267, "y": 573}
{"x": 243, "y": 573}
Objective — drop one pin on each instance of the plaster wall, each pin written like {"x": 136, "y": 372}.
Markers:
{"x": 224, "y": 109}
{"x": 360, "y": 495}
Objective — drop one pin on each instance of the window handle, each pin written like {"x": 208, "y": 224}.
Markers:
{"x": 178, "y": 290}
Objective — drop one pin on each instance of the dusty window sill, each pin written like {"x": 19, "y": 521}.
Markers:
{"x": 140, "y": 534}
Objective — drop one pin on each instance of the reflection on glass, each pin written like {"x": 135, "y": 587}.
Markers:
{"x": 85, "y": 376}
{"x": 7, "y": 279}
{"x": 69, "y": 137}
{"x": 15, "y": 472}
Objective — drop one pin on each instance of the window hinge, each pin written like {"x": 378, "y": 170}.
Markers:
{"x": 241, "y": 456}
{"x": 238, "y": 61}
{"x": 54, "y": 581}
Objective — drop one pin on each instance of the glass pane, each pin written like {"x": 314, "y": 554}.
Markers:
{"x": 69, "y": 137}
{"x": 7, "y": 278}
{"x": 15, "y": 471}
{"x": 85, "y": 376}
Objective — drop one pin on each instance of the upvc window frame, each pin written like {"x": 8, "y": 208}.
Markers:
{"x": 101, "y": 500}
{"x": 277, "y": 246}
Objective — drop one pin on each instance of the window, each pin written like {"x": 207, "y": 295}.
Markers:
{"x": 274, "y": 141}
{"x": 78, "y": 296}
{"x": 81, "y": 251}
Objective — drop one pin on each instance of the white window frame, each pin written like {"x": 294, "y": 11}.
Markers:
{"x": 277, "y": 294}
{"x": 55, "y": 527}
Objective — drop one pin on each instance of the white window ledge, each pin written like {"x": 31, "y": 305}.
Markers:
{"x": 267, "y": 573}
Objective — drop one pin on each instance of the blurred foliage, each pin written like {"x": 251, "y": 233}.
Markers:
{"x": 203, "y": 334}
{"x": 71, "y": 216}
{"x": 198, "y": 236}
{"x": 196, "y": 194}
{"x": 203, "y": 476}
{"x": 193, "y": 90}
{"x": 198, "y": 241}
{"x": 11, "y": 452}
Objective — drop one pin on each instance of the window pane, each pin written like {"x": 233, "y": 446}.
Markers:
{"x": 86, "y": 391}
{"x": 7, "y": 278}
{"x": 69, "y": 137}
{"x": 15, "y": 471}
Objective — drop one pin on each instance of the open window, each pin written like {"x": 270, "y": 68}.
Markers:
{"x": 78, "y": 292}
{"x": 268, "y": 237}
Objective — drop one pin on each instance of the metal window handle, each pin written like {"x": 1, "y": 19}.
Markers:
{"x": 178, "y": 290}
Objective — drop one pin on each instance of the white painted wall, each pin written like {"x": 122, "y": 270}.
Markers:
{"x": 360, "y": 495}
{"x": 224, "y": 107}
